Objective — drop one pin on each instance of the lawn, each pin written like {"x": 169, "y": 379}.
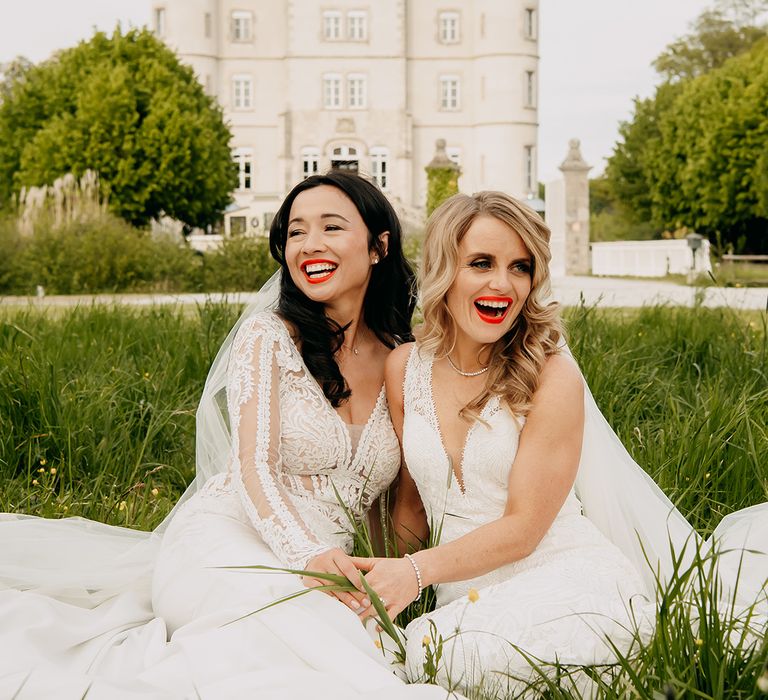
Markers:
{"x": 97, "y": 419}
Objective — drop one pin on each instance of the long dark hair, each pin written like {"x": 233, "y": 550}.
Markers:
{"x": 389, "y": 299}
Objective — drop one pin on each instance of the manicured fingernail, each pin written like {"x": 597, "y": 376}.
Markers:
{"x": 366, "y": 602}
{"x": 355, "y": 604}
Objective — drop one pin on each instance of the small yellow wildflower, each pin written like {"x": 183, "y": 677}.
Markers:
{"x": 377, "y": 643}
{"x": 35, "y": 482}
{"x": 43, "y": 460}
{"x": 41, "y": 471}
{"x": 473, "y": 595}
{"x": 146, "y": 375}
{"x": 122, "y": 505}
{"x": 425, "y": 642}
{"x": 154, "y": 492}
{"x": 762, "y": 683}
{"x": 707, "y": 475}
{"x": 53, "y": 470}
{"x": 699, "y": 642}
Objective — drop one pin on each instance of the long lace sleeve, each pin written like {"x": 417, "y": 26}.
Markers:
{"x": 254, "y": 409}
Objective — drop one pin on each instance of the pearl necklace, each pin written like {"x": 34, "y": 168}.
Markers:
{"x": 466, "y": 374}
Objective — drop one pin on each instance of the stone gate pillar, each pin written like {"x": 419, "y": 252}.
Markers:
{"x": 576, "y": 185}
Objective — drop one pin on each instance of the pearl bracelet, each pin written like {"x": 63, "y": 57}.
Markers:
{"x": 418, "y": 575}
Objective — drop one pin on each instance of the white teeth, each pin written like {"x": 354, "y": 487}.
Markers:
{"x": 319, "y": 267}
{"x": 493, "y": 304}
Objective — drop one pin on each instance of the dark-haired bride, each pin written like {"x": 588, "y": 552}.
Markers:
{"x": 293, "y": 433}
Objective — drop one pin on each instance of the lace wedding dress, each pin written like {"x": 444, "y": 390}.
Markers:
{"x": 183, "y": 627}
{"x": 557, "y": 604}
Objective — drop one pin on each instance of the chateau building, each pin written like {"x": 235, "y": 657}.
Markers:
{"x": 368, "y": 86}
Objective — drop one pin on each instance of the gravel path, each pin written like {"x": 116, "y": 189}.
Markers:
{"x": 600, "y": 291}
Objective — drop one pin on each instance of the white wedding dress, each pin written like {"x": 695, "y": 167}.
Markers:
{"x": 182, "y": 626}
{"x": 560, "y": 603}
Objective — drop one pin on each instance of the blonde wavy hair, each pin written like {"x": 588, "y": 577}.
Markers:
{"x": 518, "y": 357}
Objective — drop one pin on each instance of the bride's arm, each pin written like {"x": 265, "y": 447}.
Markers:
{"x": 408, "y": 516}
{"x": 540, "y": 479}
{"x": 254, "y": 409}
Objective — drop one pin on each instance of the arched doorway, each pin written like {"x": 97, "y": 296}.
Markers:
{"x": 345, "y": 158}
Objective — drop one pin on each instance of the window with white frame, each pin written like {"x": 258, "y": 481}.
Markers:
{"x": 380, "y": 166}
{"x": 331, "y": 25}
{"x": 357, "y": 25}
{"x": 159, "y": 16}
{"x": 238, "y": 225}
{"x": 243, "y": 158}
{"x": 345, "y": 158}
{"x": 310, "y": 162}
{"x": 242, "y": 91}
{"x": 208, "y": 25}
{"x": 450, "y": 97}
{"x": 454, "y": 153}
{"x": 356, "y": 91}
{"x": 449, "y": 27}
{"x": 242, "y": 25}
{"x": 529, "y": 23}
{"x": 530, "y": 88}
{"x": 528, "y": 168}
{"x": 332, "y": 91}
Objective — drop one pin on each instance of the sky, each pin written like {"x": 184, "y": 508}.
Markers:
{"x": 595, "y": 57}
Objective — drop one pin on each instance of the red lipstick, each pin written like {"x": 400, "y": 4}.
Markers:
{"x": 493, "y": 309}
{"x": 318, "y": 270}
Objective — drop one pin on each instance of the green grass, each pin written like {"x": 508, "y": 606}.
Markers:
{"x": 105, "y": 397}
{"x": 97, "y": 419}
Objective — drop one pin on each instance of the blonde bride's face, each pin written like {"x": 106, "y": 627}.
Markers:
{"x": 492, "y": 282}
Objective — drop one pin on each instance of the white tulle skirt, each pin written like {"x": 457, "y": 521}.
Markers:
{"x": 188, "y": 631}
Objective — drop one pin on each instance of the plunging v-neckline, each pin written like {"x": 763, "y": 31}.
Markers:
{"x": 460, "y": 476}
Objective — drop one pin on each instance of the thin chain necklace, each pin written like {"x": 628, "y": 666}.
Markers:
{"x": 466, "y": 374}
{"x": 354, "y": 348}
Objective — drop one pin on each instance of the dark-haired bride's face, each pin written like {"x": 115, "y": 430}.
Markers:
{"x": 492, "y": 282}
{"x": 326, "y": 249}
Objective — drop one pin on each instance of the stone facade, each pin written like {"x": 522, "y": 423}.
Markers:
{"x": 311, "y": 84}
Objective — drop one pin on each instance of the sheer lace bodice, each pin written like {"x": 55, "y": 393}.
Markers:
{"x": 293, "y": 458}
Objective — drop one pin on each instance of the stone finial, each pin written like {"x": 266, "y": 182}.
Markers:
{"x": 441, "y": 161}
{"x": 574, "y": 160}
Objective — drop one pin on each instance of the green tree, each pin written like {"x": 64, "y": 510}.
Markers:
{"x": 657, "y": 172}
{"x": 608, "y": 217}
{"x": 714, "y": 142}
{"x": 727, "y": 30}
{"x": 630, "y": 171}
{"x": 442, "y": 178}
{"x": 124, "y": 107}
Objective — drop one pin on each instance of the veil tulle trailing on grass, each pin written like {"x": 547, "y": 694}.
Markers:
{"x": 86, "y": 563}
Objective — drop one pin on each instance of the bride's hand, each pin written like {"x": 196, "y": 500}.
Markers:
{"x": 337, "y": 561}
{"x": 393, "y": 580}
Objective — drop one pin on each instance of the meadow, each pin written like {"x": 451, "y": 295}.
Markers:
{"x": 97, "y": 419}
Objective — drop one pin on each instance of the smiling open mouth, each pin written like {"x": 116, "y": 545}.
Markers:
{"x": 317, "y": 271}
{"x": 492, "y": 309}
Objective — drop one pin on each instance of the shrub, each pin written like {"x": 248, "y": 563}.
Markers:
{"x": 240, "y": 264}
{"x": 97, "y": 255}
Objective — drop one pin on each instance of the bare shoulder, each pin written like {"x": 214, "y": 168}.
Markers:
{"x": 394, "y": 371}
{"x": 561, "y": 381}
